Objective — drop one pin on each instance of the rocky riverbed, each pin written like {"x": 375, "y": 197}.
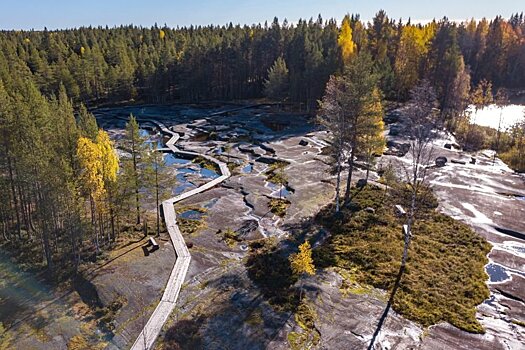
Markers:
{"x": 220, "y": 306}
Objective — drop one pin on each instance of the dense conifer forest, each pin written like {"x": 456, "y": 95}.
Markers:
{"x": 60, "y": 197}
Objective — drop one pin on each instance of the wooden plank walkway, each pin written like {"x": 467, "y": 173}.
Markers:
{"x": 160, "y": 315}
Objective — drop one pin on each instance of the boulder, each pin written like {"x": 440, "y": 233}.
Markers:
{"x": 266, "y": 148}
{"x": 452, "y": 146}
{"x": 472, "y": 160}
{"x": 455, "y": 161}
{"x": 397, "y": 148}
{"x": 247, "y": 227}
{"x": 392, "y": 117}
{"x": 370, "y": 210}
{"x": 441, "y": 161}
{"x": 303, "y": 143}
{"x": 395, "y": 129}
{"x": 361, "y": 183}
{"x": 267, "y": 160}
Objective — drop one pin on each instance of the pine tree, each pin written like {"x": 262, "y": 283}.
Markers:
{"x": 87, "y": 123}
{"x": 276, "y": 86}
{"x": 333, "y": 117}
{"x": 134, "y": 177}
{"x": 371, "y": 139}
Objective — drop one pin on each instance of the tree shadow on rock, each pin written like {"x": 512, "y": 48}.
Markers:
{"x": 238, "y": 317}
{"x": 87, "y": 292}
{"x": 269, "y": 269}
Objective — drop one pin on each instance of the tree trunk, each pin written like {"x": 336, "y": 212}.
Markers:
{"x": 338, "y": 182}
{"x": 13, "y": 192}
{"x": 349, "y": 180}
{"x": 136, "y": 176}
{"x": 157, "y": 198}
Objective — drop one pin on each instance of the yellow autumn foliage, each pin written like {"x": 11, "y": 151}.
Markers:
{"x": 302, "y": 261}
{"x": 162, "y": 34}
{"x": 371, "y": 138}
{"x": 345, "y": 41}
{"x": 108, "y": 156}
{"x": 90, "y": 159}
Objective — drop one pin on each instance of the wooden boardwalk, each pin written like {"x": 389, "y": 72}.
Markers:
{"x": 160, "y": 315}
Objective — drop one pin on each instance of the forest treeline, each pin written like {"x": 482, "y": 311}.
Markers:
{"x": 191, "y": 64}
{"x": 64, "y": 199}
{"x": 66, "y": 194}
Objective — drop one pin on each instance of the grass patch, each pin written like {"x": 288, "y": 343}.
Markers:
{"x": 255, "y": 319}
{"x": 444, "y": 278}
{"x": 230, "y": 236}
{"x": 232, "y": 166}
{"x": 275, "y": 173}
{"x": 305, "y": 318}
{"x": 189, "y": 226}
{"x": 206, "y": 164}
{"x": 5, "y": 338}
{"x": 278, "y": 206}
{"x": 350, "y": 285}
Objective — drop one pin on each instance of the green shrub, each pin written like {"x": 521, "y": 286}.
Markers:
{"x": 444, "y": 278}
{"x": 278, "y": 206}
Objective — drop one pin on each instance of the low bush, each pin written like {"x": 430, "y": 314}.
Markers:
{"x": 444, "y": 278}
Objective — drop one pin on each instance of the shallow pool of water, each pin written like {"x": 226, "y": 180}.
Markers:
{"x": 209, "y": 173}
{"x": 152, "y": 139}
{"x": 490, "y": 116}
{"x": 284, "y": 192}
{"x": 171, "y": 159}
{"x": 247, "y": 169}
{"x": 191, "y": 215}
{"x": 497, "y": 273}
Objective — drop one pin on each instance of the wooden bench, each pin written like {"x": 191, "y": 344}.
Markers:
{"x": 153, "y": 243}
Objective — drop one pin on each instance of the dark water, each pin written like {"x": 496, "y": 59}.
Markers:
{"x": 191, "y": 215}
{"x": 497, "y": 273}
{"x": 211, "y": 203}
{"x": 491, "y": 301}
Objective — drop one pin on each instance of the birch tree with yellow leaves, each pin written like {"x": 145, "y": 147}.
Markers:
{"x": 345, "y": 41}
{"x": 91, "y": 178}
{"x": 98, "y": 174}
{"x": 110, "y": 167}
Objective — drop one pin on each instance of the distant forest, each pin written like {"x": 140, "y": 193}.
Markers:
{"x": 231, "y": 62}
